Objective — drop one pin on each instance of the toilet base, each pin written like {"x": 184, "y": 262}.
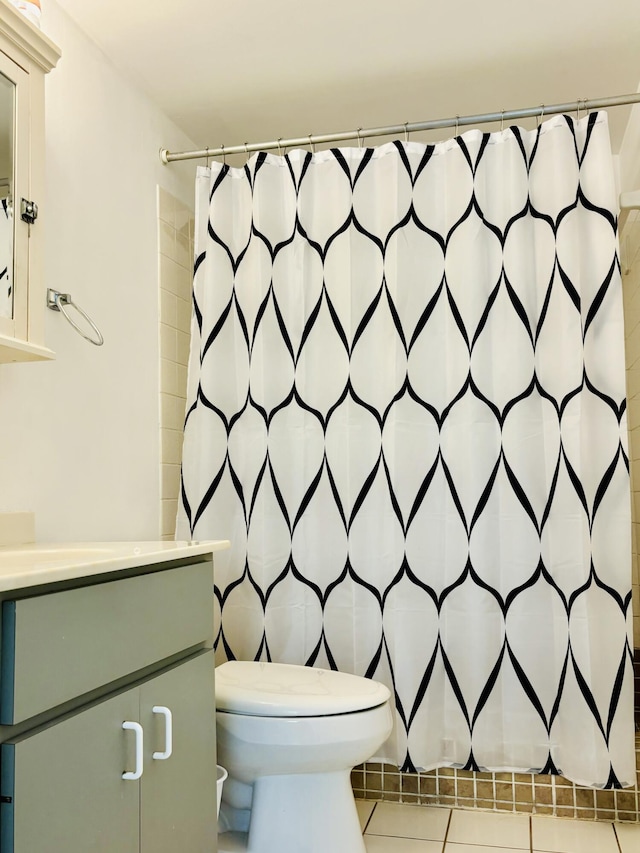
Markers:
{"x": 232, "y": 842}
{"x": 306, "y": 813}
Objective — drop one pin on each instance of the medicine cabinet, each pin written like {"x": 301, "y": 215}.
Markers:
{"x": 26, "y": 55}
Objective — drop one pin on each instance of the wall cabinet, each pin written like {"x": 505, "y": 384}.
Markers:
{"x": 127, "y": 762}
{"x": 26, "y": 55}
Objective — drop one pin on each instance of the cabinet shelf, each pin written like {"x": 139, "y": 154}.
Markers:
{"x": 14, "y": 349}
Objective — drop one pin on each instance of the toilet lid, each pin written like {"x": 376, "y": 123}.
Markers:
{"x": 285, "y": 690}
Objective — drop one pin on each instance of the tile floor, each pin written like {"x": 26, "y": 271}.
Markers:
{"x": 396, "y": 828}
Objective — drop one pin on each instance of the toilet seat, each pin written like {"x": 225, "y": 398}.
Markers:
{"x": 286, "y": 690}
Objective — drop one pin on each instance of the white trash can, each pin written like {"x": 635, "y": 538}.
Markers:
{"x": 221, "y": 776}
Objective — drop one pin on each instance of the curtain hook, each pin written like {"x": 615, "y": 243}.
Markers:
{"x": 502, "y": 121}
{"x": 359, "y": 137}
{"x": 406, "y": 132}
{"x": 207, "y": 156}
{"x": 312, "y": 147}
{"x": 224, "y": 156}
{"x": 279, "y": 146}
{"x": 578, "y": 110}
{"x": 541, "y": 116}
{"x": 456, "y": 126}
{"x": 246, "y": 151}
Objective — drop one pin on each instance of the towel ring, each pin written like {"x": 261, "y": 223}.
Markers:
{"x": 56, "y": 302}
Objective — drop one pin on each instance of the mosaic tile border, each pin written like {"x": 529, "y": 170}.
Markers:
{"x": 508, "y": 792}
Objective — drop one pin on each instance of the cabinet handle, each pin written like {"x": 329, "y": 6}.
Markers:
{"x": 168, "y": 732}
{"x": 137, "y": 728}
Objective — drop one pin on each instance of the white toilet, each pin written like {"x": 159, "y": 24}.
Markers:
{"x": 289, "y": 737}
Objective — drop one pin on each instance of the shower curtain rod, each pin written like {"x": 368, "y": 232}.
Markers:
{"x": 408, "y": 127}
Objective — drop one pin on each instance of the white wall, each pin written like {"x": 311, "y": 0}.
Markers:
{"x": 629, "y": 153}
{"x": 79, "y": 437}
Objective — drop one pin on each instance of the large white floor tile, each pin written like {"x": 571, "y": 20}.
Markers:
{"x": 386, "y": 844}
{"x": 628, "y": 837}
{"x": 365, "y": 808}
{"x": 490, "y": 829}
{"x": 395, "y": 819}
{"x": 475, "y": 848}
{"x": 559, "y": 835}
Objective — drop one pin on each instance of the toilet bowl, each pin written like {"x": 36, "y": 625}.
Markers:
{"x": 289, "y": 737}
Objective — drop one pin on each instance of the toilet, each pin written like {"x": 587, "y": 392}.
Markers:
{"x": 289, "y": 737}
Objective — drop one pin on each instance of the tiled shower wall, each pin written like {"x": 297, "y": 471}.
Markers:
{"x": 175, "y": 266}
{"x": 515, "y": 792}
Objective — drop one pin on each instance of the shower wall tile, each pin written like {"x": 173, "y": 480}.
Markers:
{"x": 168, "y": 342}
{"x": 167, "y": 239}
{"x": 175, "y": 263}
{"x": 171, "y": 442}
{"x": 168, "y": 309}
{"x": 184, "y": 317}
{"x": 183, "y": 342}
{"x": 169, "y": 511}
{"x": 166, "y": 207}
{"x": 171, "y": 412}
{"x": 183, "y": 221}
{"x": 169, "y": 377}
{"x": 170, "y": 479}
{"x": 175, "y": 279}
{"x": 182, "y": 256}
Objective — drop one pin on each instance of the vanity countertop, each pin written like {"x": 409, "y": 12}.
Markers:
{"x": 40, "y": 563}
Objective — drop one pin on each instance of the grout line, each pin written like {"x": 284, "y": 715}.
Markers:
{"x": 446, "y": 833}
{"x": 616, "y": 837}
{"x": 368, "y": 821}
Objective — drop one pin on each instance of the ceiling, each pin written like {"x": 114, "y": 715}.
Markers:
{"x": 256, "y": 71}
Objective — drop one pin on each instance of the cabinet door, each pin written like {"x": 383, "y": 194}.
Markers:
{"x": 66, "y": 788}
{"x": 178, "y": 794}
{"x": 14, "y": 177}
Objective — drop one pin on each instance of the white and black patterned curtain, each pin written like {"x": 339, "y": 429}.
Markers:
{"x": 407, "y": 412}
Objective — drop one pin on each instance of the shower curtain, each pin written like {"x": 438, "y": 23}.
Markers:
{"x": 406, "y": 410}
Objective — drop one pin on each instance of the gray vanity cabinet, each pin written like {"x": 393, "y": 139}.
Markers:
{"x": 66, "y": 788}
{"x": 178, "y": 795}
{"x": 61, "y": 770}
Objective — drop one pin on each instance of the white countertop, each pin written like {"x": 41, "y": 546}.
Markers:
{"x": 41, "y": 563}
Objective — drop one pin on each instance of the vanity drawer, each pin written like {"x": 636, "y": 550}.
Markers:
{"x": 65, "y": 644}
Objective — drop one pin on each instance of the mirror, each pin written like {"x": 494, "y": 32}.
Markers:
{"x": 7, "y": 123}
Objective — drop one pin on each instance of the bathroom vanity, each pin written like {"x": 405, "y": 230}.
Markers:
{"x": 107, "y": 706}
